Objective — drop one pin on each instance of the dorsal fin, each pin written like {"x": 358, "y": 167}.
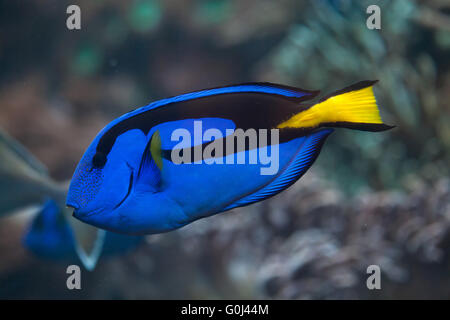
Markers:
{"x": 288, "y": 92}
{"x": 305, "y": 157}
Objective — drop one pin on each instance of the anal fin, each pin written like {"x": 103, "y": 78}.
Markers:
{"x": 302, "y": 161}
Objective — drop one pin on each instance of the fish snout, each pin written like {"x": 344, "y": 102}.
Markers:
{"x": 75, "y": 208}
{"x": 72, "y": 205}
{"x": 84, "y": 213}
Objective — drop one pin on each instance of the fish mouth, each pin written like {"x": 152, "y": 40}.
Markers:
{"x": 82, "y": 215}
{"x": 74, "y": 207}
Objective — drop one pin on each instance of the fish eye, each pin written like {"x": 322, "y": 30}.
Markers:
{"x": 99, "y": 160}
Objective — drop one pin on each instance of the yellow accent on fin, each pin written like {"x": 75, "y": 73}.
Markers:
{"x": 155, "y": 149}
{"x": 358, "y": 106}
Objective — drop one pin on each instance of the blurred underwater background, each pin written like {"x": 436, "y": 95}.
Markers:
{"x": 380, "y": 199}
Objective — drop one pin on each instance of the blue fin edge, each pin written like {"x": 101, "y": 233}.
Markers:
{"x": 262, "y": 87}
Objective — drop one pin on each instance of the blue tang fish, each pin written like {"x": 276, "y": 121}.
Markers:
{"x": 50, "y": 236}
{"x": 176, "y": 160}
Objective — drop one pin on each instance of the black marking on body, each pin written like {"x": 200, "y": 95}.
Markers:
{"x": 246, "y": 110}
{"x": 285, "y": 134}
{"x": 99, "y": 160}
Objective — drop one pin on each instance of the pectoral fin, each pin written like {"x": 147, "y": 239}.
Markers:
{"x": 149, "y": 174}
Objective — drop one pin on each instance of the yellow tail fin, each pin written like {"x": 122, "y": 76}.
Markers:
{"x": 353, "y": 107}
